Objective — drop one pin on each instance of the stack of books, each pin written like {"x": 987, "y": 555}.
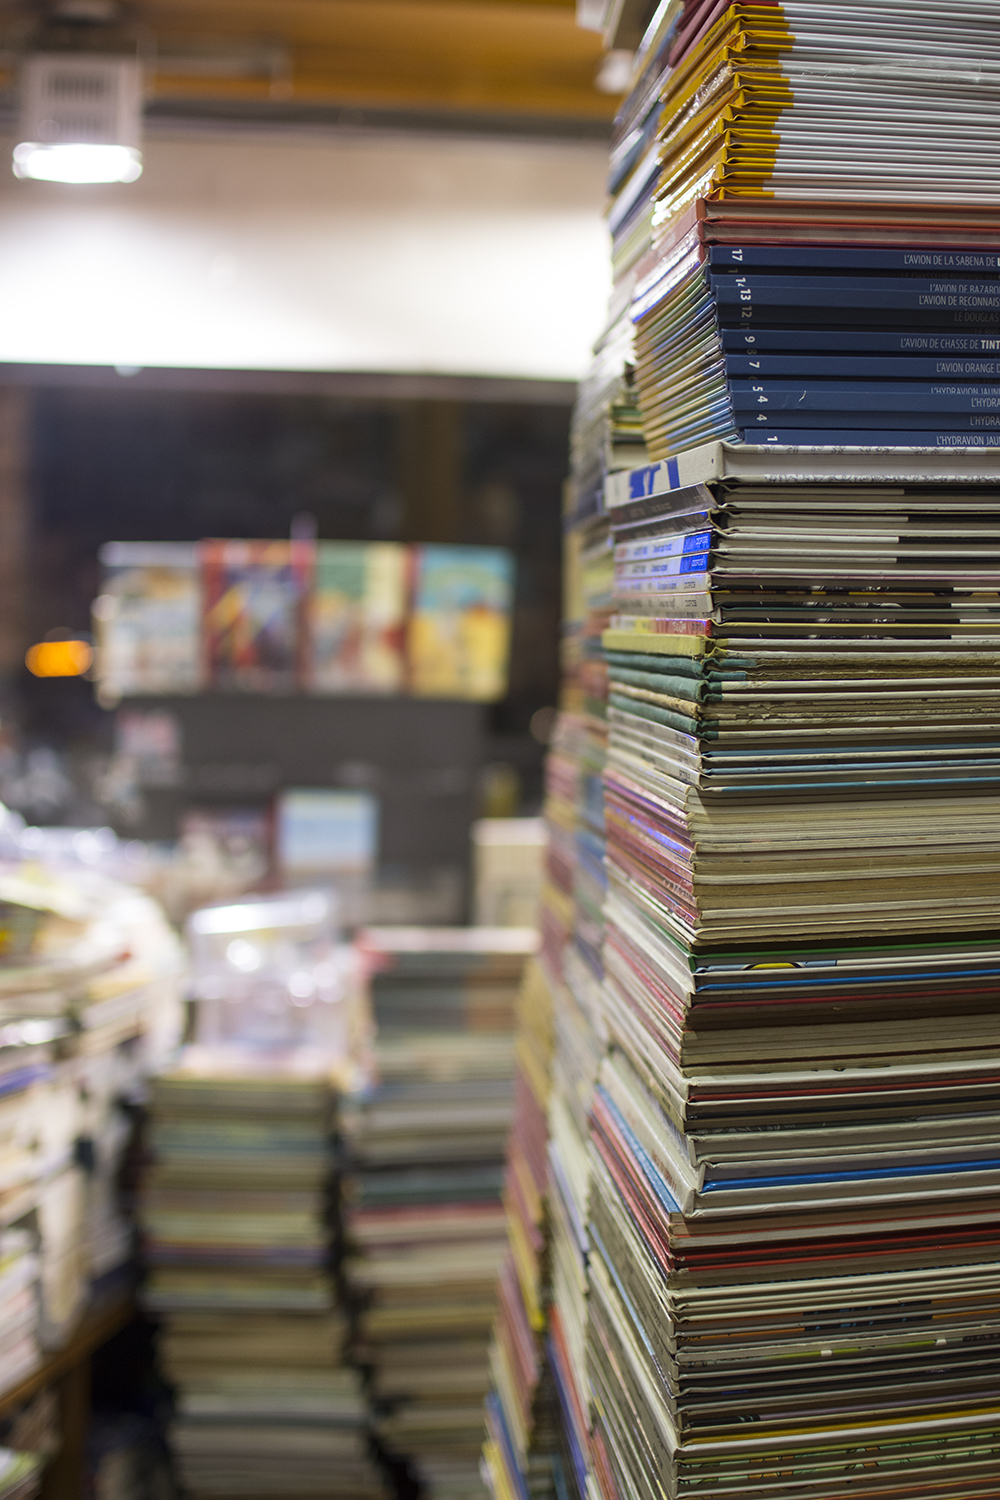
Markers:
{"x": 235, "y": 1210}
{"x": 787, "y": 343}
{"x": 423, "y": 1217}
{"x": 607, "y": 428}
{"x": 775, "y": 1273}
{"x": 606, "y": 437}
{"x": 516, "y": 1411}
{"x": 538, "y": 1345}
{"x": 607, "y": 424}
{"x": 127, "y": 1021}
{"x": 814, "y": 227}
{"x": 579, "y": 1030}
{"x": 89, "y": 1002}
{"x": 573, "y": 960}
{"x": 19, "y": 1267}
{"x": 542, "y": 1315}
{"x": 794, "y": 1135}
{"x": 20, "y": 1474}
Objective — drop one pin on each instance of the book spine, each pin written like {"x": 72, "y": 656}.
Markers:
{"x": 694, "y": 606}
{"x": 663, "y": 546}
{"x": 662, "y": 567}
{"x": 683, "y": 235}
{"x": 816, "y": 289}
{"x": 693, "y": 500}
{"x": 656, "y": 286}
{"x": 665, "y": 583}
{"x": 825, "y": 395}
{"x": 854, "y": 311}
{"x": 856, "y": 341}
{"x": 827, "y": 367}
{"x": 679, "y": 474}
{"x": 855, "y": 417}
{"x": 634, "y": 186}
{"x": 804, "y": 299}
{"x": 853, "y": 258}
{"x": 836, "y": 437}
{"x": 660, "y": 625}
{"x": 814, "y": 340}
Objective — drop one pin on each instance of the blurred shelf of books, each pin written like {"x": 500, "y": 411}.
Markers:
{"x": 91, "y": 1004}
{"x": 300, "y": 616}
{"x": 258, "y": 1166}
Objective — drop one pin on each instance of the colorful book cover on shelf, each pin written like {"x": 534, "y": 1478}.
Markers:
{"x": 147, "y": 619}
{"x": 326, "y": 832}
{"x": 358, "y": 618}
{"x": 459, "y": 632}
{"x": 255, "y": 599}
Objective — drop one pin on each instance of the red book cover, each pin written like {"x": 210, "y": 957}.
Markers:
{"x": 254, "y": 622}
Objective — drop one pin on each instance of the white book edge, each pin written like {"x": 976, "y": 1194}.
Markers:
{"x": 765, "y": 464}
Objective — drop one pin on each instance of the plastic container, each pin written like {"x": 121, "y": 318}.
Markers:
{"x": 269, "y": 975}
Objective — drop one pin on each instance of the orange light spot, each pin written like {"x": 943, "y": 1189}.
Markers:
{"x": 59, "y": 658}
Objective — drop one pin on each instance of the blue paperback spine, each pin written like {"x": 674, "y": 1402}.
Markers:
{"x": 837, "y": 437}
{"x": 932, "y": 262}
{"x": 882, "y": 395}
{"x": 815, "y": 340}
{"x": 883, "y": 299}
{"x": 663, "y": 567}
{"x": 857, "y": 417}
{"x": 649, "y": 548}
{"x": 860, "y": 367}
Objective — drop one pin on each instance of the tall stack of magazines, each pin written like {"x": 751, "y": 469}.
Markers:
{"x": 423, "y": 1220}
{"x": 520, "y": 1430}
{"x": 237, "y": 1211}
{"x": 790, "y": 1273}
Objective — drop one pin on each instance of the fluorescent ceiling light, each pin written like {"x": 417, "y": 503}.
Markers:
{"x": 81, "y": 118}
{"x": 76, "y": 162}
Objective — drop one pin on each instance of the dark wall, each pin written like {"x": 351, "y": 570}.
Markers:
{"x": 127, "y": 464}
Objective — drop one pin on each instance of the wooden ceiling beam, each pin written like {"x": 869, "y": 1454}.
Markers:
{"x": 493, "y": 56}
{"x": 377, "y": 89}
{"x": 426, "y": 25}
{"x": 518, "y": 56}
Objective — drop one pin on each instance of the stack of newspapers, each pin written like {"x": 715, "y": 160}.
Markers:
{"x": 235, "y": 1209}
{"x": 424, "y": 1222}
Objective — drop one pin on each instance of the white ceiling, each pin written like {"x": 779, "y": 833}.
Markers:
{"x": 297, "y": 252}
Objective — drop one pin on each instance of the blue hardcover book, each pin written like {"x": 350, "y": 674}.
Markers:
{"x": 884, "y": 395}
{"x": 854, "y": 311}
{"x": 933, "y": 262}
{"x": 858, "y": 417}
{"x": 837, "y": 437}
{"x": 922, "y": 291}
{"x": 885, "y": 299}
{"x": 858, "y": 367}
{"x": 815, "y": 340}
